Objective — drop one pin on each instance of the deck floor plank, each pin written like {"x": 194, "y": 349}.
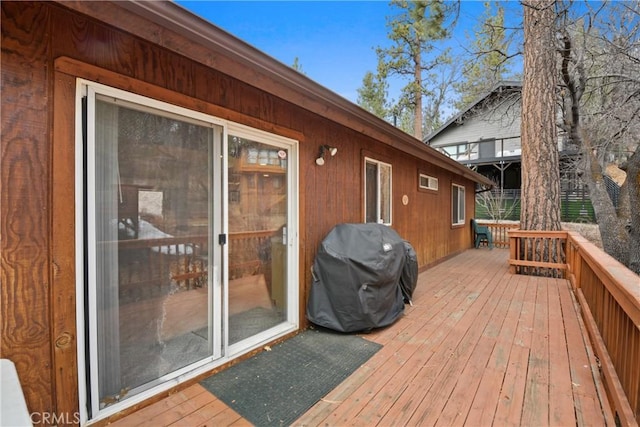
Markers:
{"x": 410, "y": 407}
{"x": 388, "y": 361}
{"x": 561, "y": 404}
{"x": 584, "y": 381}
{"x": 462, "y": 398}
{"x": 161, "y": 407}
{"x": 418, "y": 350}
{"x": 468, "y": 357}
{"x": 431, "y": 331}
{"x": 479, "y": 347}
{"x": 535, "y": 411}
{"x": 509, "y": 408}
{"x": 484, "y": 405}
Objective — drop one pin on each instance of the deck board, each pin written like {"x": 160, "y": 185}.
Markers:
{"x": 561, "y": 410}
{"x": 583, "y": 370}
{"x": 535, "y": 411}
{"x": 461, "y": 344}
{"x": 480, "y": 346}
{"x": 483, "y": 407}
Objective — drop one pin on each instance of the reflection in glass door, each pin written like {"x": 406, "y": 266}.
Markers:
{"x": 258, "y": 215}
{"x": 153, "y": 186}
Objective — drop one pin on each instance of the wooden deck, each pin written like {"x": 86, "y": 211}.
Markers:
{"x": 479, "y": 347}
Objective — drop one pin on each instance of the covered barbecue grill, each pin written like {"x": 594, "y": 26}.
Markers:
{"x": 357, "y": 275}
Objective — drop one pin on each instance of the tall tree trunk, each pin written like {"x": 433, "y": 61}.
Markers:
{"x": 632, "y": 167}
{"x": 614, "y": 236}
{"x": 540, "y": 209}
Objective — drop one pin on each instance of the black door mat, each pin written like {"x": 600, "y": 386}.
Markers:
{"x": 276, "y": 387}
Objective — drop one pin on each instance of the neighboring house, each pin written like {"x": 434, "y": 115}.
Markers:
{"x": 162, "y": 201}
{"x": 486, "y": 135}
{"x": 486, "y": 138}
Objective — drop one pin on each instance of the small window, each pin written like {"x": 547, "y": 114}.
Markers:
{"x": 457, "y": 204}
{"x": 427, "y": 182}
{"x": 377, "y": 190}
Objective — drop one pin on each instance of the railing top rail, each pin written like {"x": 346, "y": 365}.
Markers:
{"x": 539, "y": 233}
{"x": 175, "y": 240}
{"x": 497, "y": 224}
{"x": 621, "y": 282}
{"x": 161, "y": 241}
{"x": 245, "y": 234}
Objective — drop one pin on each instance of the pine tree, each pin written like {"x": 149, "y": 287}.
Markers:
{"x": 413, "y": 34}
{"x": 372, "y": 96}
{"x": 491, "y": 59}
{"x": 297, "y": 65}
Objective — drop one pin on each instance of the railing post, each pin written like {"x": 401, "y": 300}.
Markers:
{"x": 513, "y": 241}
{"x": 573, "y": 261}
{"x": 577, "y": 267}
{"x": 570, "y": 260}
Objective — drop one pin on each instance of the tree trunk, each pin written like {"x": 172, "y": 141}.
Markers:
{"x": 615, "y": 239}
{"x": 540, "y": 208}
{"x": 632, "y": 167}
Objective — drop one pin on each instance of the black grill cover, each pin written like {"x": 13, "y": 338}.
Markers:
{"x": 356, "y": 276}
{"x": 409, "y": 276}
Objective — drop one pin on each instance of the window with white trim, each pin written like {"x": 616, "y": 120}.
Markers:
{"x": 427, "y": 182}
{"x": 377, "y": 190}
{"x": 457, "y": 204}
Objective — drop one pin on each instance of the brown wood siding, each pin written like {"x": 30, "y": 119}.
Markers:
{"x": 37, "y": 178}
{"x": 25, "y": 206}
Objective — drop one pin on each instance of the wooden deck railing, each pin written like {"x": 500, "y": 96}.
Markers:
{"x": 538, "y": 253}
{"x": 248, "y": 251}
{"x": 499, "y": 232}
{"x": 609, "y": 295}
{"x": 151, "y": 265}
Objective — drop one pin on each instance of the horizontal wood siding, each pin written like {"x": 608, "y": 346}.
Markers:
{"x": 44, "y": 47}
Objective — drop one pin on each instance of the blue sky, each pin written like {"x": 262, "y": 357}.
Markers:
{"x": 334, "y": 41}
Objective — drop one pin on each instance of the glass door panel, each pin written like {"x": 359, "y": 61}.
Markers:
{"x": 151, "y": 219}
{"x": 258, "y": 212}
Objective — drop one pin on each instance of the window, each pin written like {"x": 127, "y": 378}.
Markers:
{"x": 427, "y": 182}
{"x": 377, "y": 190}
{"x": 462, "y": 151}
{"x": 457, "y": 204}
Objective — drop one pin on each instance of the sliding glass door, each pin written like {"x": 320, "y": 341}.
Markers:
{"x": 153, "y": 206}
{"x": 188, "y": 250}
{"x": 259, "y": 212}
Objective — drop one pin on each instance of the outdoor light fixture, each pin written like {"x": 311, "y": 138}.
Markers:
{"x": 324, "y": 149}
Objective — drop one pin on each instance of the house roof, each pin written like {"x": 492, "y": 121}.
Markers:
{"x": 244, "y": 62}
{"x": 498, "y": 88}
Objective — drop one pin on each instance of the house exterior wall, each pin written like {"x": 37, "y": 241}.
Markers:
{"x": 503, "y": 121}
{"x": 500, "y": 122}
{"x": 45, "y": 47}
